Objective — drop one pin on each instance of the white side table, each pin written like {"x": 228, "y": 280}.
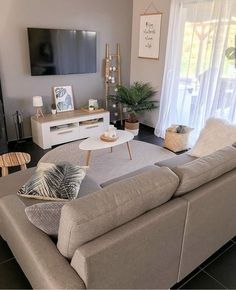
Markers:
{"x": 95, "y": 143}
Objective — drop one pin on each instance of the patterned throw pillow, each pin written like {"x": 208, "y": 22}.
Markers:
{"x": 54, "y": 182}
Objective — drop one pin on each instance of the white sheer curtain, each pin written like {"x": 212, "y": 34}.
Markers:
{"x": 200, "y": 70}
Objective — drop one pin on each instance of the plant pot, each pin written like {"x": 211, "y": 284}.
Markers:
{"x": 132, "y": 127}
{"x": 53, "y": 111}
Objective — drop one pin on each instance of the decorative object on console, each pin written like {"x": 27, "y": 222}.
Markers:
{"x": 53, "y": 109}
{"x": 54, "y": 182}
{"x": 136, "y": 99}
{"x": 93, "y": 103}
{"x": 217, "y": 134}
{"x": 63, "y": 98}
{"x": 88, "y": 110}
{"x": 177, "y": 138}
{"x": 38, "y": 104}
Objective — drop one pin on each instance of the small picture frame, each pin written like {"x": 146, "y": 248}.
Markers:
{"x": 64, "y": 99}
{"x": 149, "y": 36}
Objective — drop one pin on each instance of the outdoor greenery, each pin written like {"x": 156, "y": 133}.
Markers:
{"x": 197, "y": 50}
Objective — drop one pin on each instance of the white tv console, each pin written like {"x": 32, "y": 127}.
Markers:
{"x": 69, "y": 126}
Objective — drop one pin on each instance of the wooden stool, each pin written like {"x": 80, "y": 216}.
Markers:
{"x": 13, "y": 159}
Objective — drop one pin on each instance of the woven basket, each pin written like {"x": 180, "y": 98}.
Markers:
{"x": 176, "y": 142}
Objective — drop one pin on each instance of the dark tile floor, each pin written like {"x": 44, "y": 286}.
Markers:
{"x": 218, "y": 272}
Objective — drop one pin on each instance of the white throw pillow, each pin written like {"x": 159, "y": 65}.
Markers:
{"x": 217, "y": 134}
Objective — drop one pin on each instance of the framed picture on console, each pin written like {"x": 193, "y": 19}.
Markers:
{"x": 64, "y": 99}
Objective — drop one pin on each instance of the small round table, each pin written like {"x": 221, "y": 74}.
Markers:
{"x": 95, "y": 143}
{"x": 13, "y": 159}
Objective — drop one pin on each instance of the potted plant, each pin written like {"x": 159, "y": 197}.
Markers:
{"x": 91, "y": 108}
{"x": 53, "y": 109}
{"x": 136, "y": 99}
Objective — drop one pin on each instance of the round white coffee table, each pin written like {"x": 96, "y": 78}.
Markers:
{"x": 95, "y": 143}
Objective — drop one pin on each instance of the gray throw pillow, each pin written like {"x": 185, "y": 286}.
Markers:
{"x": 54, "y": 182}
{"x": 45, "y": 216}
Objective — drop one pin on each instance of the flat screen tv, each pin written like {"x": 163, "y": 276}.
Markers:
{"x": 61, "y": 51}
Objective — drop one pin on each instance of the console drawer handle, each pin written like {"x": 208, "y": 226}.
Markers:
{"x": 65, "y": 132}
{"x": 91, "y": 127}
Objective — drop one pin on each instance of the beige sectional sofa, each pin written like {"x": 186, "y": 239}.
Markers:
{"x": 147, "y": 230}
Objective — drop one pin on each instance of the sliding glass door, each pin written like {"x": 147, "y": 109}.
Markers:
{"x": 200, "y": 72}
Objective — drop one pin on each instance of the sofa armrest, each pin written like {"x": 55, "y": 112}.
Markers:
{"x": 142, "y": 254}
{"x": 37, "y": 255}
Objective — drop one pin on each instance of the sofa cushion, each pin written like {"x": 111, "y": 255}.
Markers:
{"x": 205, "y": 169}
{"x": 54, "y": 182}
{"x": 217, "y": 134}
{"x": 131, "y": 174}
{"x": 87, "y": 186}
{"x": 91, "y": 216}
{"x": 45, "y": 216}
{"x": 176, "y": 161}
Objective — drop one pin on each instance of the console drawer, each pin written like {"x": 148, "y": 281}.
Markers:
{"x": 91, "y": 130}
{"x": 64, "y": 135}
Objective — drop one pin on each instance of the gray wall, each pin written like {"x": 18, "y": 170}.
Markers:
{"x": 148, "y": 70}
{"x": 112, "y": 19}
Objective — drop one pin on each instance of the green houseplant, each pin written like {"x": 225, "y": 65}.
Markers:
{"x": 136, "y": 99}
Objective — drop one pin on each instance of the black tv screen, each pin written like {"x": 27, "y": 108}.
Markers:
{"x": 61, "y": 51}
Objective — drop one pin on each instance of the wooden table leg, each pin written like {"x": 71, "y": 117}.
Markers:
{"x": 23, "y": 167}
{"x": 129, "y": 149}
{"x": 4, "y": 171}
{"x": 88, "y": 158}
{"x": 111, "y": 149}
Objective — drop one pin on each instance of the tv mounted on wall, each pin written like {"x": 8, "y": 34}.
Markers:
{"x": 61, "y": 51}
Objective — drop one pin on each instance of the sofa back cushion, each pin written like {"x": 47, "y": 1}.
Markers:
{"x": 205, "y": 169}
{"x": 85, "y": 219}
